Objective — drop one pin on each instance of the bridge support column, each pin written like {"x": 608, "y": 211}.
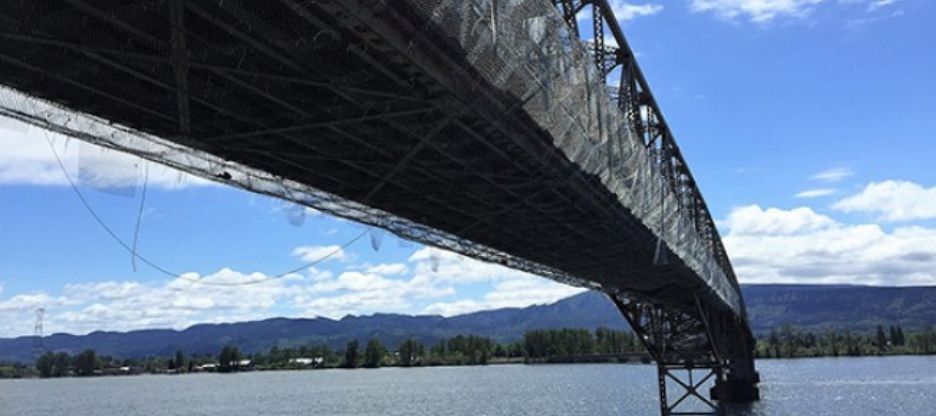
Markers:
{"x": 686, "y": 383}
{"x": 693, "y": 349}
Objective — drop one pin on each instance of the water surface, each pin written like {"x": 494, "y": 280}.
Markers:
{"x": 830, "y": 386}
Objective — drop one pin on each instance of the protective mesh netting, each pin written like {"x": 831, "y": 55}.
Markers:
{"x": 523, "y": 48}
{"x": 526, "y": 49}
{"x": 55, "y": 118}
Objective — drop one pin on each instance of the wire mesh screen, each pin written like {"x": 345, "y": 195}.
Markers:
{"x": 522, "y": 48}
{"x": 526, "y": 49}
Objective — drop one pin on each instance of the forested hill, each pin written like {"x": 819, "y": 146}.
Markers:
{"x": 587, "y": 310}
{"x": 859, "y": 308}
{"x": 769, "y": 306}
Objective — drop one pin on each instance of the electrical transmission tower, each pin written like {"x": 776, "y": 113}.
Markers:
{"x": 37, "y": 331}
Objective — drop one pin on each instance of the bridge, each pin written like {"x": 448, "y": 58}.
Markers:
{"x": 517, "y": 132}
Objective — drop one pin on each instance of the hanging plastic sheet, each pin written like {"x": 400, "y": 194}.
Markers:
{"x": 376, "y": 238}
{"x": 108, "y": 171}
{"x": 13, "y": 125}
{"x": 295, "y": 213}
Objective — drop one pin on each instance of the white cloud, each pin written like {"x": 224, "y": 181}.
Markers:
{"x": 753, "y": 220}
{"x": 26, "y": 159}
{"x": 457, "y": 307}
{"x": 517, "y": 292}
{"x": 311, "y": 254}
{"x": 879, "y": 4}
{"x": 356, "y": 282}
{"x": 316, "y": 275}
{"x": 625, "y": 11}
{"x": 758, "y": 11}
{"x": 387, "y": 268}
{"x": 892, "y": 201}
{"x": 815, "y": 193}
{"x": 801, "y": 246}
{"x": 510, "y": 288}
{"x": 833, "y": 175}
{"x": 354, "y": 293}
{"x": 629, "y": 11}
{"x": 27, "y": 302}
{"x": 455, "y": 268}
{"x": 229, "y": 295}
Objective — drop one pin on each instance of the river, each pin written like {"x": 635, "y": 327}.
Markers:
{"x": 827, "y": 386}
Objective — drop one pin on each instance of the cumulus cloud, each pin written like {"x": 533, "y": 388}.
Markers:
{"x": 757, "y": 11}
{"x": 625, "y": 11}
{"x": 754, "y": 220}
{"x": 439, "y": 266}
{"x": 26, "y": 159}
{"x": 629, "y": 11}
{"x": 320, "y": 253}
{"x": 802, "y": 246}
{"x": 892, "y": 201}
{"x": 354, "y": 293}
{"x": 510, "y": 288}
{"x": 509, "y": 293}
{"x": 387, "y": 268}
{"x": 429, "y": 277}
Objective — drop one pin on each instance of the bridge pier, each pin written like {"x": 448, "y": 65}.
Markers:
{"x": 693, "y": 347}
{"x": 736, "y": 390}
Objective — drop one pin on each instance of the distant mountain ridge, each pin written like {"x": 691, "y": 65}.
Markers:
{"x": 587, "y": 310}
{"x": 820, "y": 307}
{"x": 858, "y": 308}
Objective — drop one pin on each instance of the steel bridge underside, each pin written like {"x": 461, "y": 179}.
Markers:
{"x": 370, "y": 105}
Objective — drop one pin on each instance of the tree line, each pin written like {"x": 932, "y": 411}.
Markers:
{"x": 89, "y": 363}
{"x": 549, "y": 345}
{"x": 791, "y": 342}
{"x": 537, "y": 345}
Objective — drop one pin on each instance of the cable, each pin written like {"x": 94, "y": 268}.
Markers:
{"x": 96, "y": 217}
{"x": 136, "y": 230}
{"x": 283, "y": 274}
{"x": 136, "y": 255}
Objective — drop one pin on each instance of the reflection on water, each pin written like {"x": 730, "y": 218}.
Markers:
{"x": 842, "y": 386}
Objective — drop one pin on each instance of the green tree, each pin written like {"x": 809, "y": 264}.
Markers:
{"x": 373, "y": 354}
{"x": 410, "y": 352}
{"x": 179, "y": 359}
{"x": 86, "y": 363}
{"x": 351, "y": 355}
{"x": 881, "y": 342}
{"x": 46, "y": 364}
{"x": 229, "y": 359}
{"x": 774, "y": 343}
{"x": 789, "y": 336}
{"x": 832, "y": 338}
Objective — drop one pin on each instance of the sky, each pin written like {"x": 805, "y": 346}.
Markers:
{"x": 808, "y": 124}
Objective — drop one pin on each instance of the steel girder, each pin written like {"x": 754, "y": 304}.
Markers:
{"x": 684, "y": 340}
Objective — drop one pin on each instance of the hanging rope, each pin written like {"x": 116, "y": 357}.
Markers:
{"x": 139, "y": 221}
{"x": 132, "y": 249}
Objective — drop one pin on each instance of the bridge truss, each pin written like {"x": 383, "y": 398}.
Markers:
{"x": 692, "y": 346}
{"x": 236, "y": 92}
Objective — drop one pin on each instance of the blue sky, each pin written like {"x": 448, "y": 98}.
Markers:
{"x": 808, "y": 124}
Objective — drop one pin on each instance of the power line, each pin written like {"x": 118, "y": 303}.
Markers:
{"x": 134, "y": 254}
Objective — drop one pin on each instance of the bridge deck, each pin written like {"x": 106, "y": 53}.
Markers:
{"x": 484, "y": 131}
